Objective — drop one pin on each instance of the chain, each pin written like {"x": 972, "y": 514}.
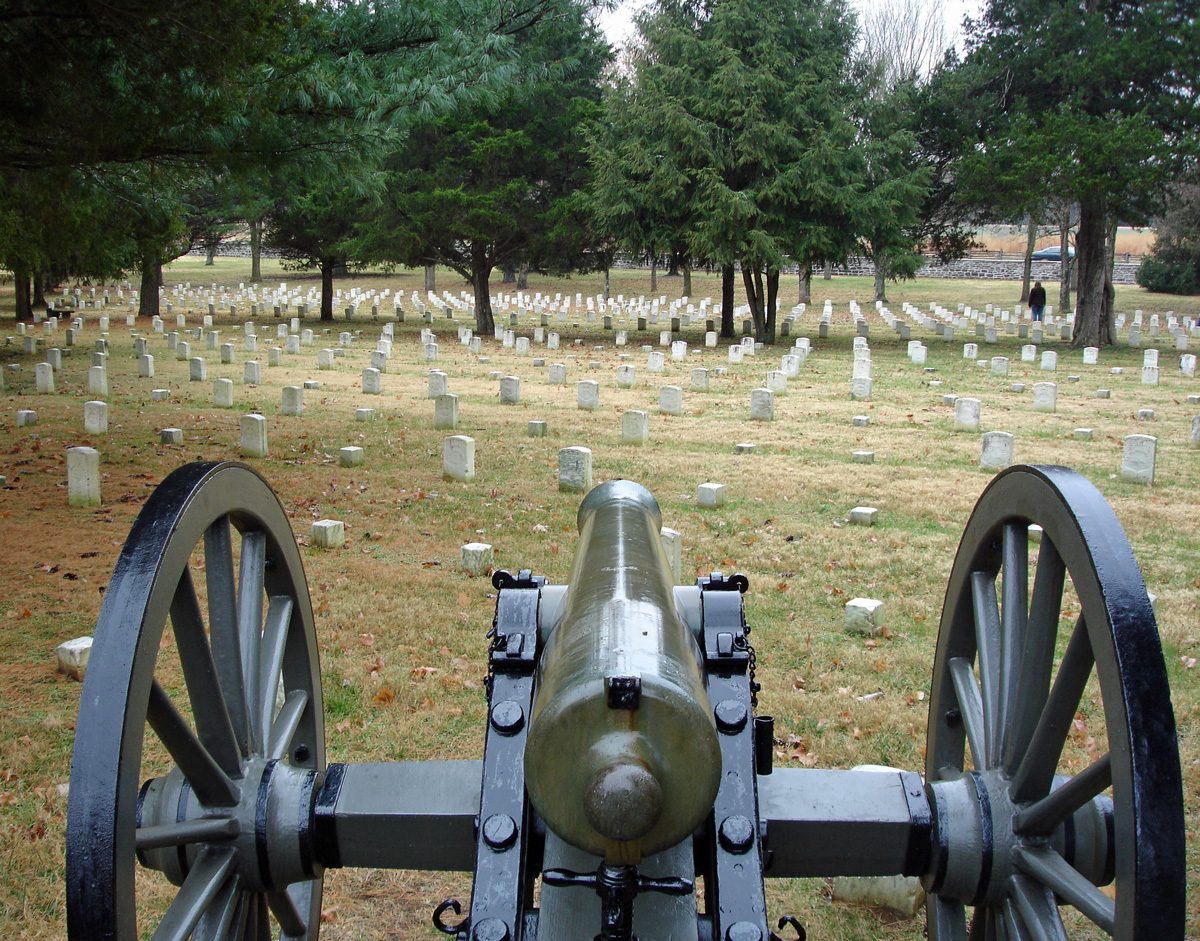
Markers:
{"x": 753, "y": 665}
{"x": 496, "y": 640}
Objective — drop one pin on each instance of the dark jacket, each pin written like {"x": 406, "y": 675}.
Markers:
{"x": 1037, "y": 297}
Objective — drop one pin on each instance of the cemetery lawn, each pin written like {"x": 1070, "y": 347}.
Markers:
{"x": 401, "y": 629}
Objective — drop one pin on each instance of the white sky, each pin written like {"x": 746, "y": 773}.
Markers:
{"x": 618, "y": 24}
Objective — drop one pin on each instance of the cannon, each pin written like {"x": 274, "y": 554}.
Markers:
{"x": 624, "y": 766}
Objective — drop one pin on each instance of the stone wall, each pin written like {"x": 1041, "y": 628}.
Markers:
{"x": 988, "y": 269}
{"x": 982, "y": 269}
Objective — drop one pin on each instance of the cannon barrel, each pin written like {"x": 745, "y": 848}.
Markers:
{"x": 622, "y": 758}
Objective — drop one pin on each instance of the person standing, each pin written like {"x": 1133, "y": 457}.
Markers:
{"x": 1037, "y": 301}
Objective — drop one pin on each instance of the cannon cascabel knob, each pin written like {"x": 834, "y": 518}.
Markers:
{"x": 623, "y": 801}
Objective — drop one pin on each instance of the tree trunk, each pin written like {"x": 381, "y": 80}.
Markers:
{"x": 1094, "y": 308}
{"x": 607, "y": 283}
{"x": 508, "y": 274}
{"x": 1064, "y": 266}
{"x": 653, "y": 274}
{"x": 39, "y": 291}
{"x": 805, "y": 283}
{"x": 256, "y": 234}
{"x": 752, "y": 279}
{"x": 481, "y": 272}
{"x": 522, "y": 278}
{"x": 880, "y": 264}
{"x": 828, "y": 270}
{"x": 727, "y": 325}
{"x": 673, "y": 265}
{"x": 209, "y": 256}
{"x": 327, "y": 267}
{"x": 1110, "y": 249}
{"x": 22, "y": 292}
{"x": 430, "y": 278}
{"x": 151, "y": 279}
{"x": 687, "y": 279}
{"x": 1030, "y": 243}
{"x": 772, "y": 306}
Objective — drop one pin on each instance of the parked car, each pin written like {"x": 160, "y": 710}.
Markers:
{"x": 1053, "y": 253}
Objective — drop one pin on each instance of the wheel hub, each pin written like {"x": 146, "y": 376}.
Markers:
{"x": 974, "y": 842}
{"x": 271, "y": 829}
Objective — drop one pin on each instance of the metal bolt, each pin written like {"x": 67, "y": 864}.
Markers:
{"x": 743, "y": 931}
{"x": 508, "y": 717}
{"x": 300, "y": 754}
{"x": 736, "y": 833}
{"x": 499, "y": 831}
{"x": 953, "y": 717}
{"x": 731, "y": 715}
{"x": 490, "y": 929}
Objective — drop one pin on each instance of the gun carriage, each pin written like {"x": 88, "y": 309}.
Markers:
{"x": 623, "y": 761}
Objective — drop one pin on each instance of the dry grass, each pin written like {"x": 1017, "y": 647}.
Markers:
{"x": 401, "y": 630}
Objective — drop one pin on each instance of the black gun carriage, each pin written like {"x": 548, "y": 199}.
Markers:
{"x": 623, "y": 761}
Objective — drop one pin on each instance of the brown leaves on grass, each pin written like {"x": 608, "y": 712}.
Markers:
{"x": 384, "y": 696}
{"x": 419, "y": 674}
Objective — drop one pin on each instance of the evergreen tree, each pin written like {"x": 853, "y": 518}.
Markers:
{"x": 1095, "y": 102}
{"x": 495, "y": 183}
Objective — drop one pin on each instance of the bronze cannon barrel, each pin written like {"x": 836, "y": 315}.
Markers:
{"x": 622, "y": 758}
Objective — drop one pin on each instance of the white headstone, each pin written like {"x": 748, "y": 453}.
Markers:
{"x": 762, "y": 405}
{"x": 710, "y": 495}
{"x": 698, "y": 379}
{"x": 1137, "y": 462}
{"x": 510, "y": 390}
{"x": 997, "y": 450}
{"x": 251, "y": 372}
{"x": 967, "y": 414}
{"x": 458, "y": 458}
{"x": 44, "y": 378}
{"x": 575, "y": 470}
{"x": 95, "y": 418}
{"x": 83, "y": 477}
{"x": 1045, "y": 397}
{"x": 223, "y": 393}
{"x": 635, "y": 427}
{"x": 445, "y": 412}
{"x": 292, "y": 401}
{"x": 670, "y": 400}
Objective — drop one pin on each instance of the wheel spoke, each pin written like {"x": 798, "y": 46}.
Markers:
{"x": 202, "y": 830}
{"x": 263, "y": 921}
{"x": 225, "y": 917}
{"x": 223, "y": 626}
{"x": 946, "y": 919}
{"x": 208, "y": 875}
{"x": 987, "y": 642}
{"x": 274, "y": 640}
{"x": 250, "y": 621}
{"x": 1037, "y": 655}
{"x": 1056, "y": 874}
{"x": 1014, "y": 627}
{"x": 1037, "y": 910}
{"x": 200, "y": 673}
{"x": 284, "y": 728}
{"x": 969, "y": 705}
{"x": 1035, "y": 774}
{"x": 211, "y": 785}
{"x": 1041, "y": 818}
{"x": 283, "y": 907}
{"x": 1014, "y": 928}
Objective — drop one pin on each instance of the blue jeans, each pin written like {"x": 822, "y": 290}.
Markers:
{"x": 1037, "y": 312}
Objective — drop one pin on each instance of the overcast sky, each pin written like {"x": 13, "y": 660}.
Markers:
{"x": 619, "y": 23}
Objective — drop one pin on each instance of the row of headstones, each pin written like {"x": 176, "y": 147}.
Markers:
{"x": 1138, "y": 455}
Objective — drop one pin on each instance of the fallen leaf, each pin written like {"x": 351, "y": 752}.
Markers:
{"x": 384, "y": 696}
{"x": 367, "y": 640}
